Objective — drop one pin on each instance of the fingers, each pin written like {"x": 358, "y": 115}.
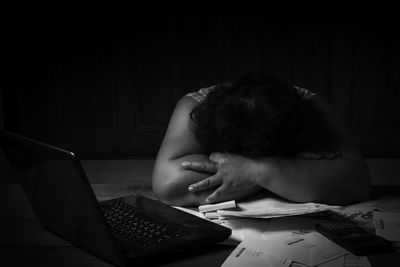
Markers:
{"x": 201, "y": 166}
{"x": 218, "y": 158}
{"x": 207, "y": 183}
{"x": 217, "y": 193}
{"x": 215, "y": 157}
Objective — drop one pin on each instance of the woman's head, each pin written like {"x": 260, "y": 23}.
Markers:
{"x": 258, "y": 115}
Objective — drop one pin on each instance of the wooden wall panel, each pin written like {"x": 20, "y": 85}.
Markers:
{"x": 248, "y": 45}
{"x": 310, "y": 44}
{"x": 1, "y": 109}
{"x": 278, "y": 48}
{"x": 107, "y": 87}
{"x": 341, "y": 69}
{"x": 81, "y": 89}
{"x": 375, "y": 123}
{"x": 154, "y": 73}
{"x": 205, "y": 52}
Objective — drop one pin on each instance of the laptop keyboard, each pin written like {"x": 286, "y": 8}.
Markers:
{"x": 125, "y": 221}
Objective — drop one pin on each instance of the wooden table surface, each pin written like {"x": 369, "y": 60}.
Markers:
{"x": 24, "y": 241}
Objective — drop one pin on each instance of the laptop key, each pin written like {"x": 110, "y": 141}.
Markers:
{"x": 138, "y": 228}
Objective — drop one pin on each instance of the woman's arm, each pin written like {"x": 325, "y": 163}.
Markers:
{"x": 170, "y": 179}
{"x": 341, "y": 180}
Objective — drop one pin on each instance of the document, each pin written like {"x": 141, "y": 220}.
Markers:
{"x": 349, "y": 260}
{"x": 245, "y": 229}
{"x": 249, "y": 254}
{"x": 254, "y": 228}
{"x": 311, "y": 249}
{"x": 267, "y": 205}
{"x": 362, "y": 213}
{"x": 297, "y": 240}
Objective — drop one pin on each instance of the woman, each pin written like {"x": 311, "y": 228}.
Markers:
{"x": 229, "y": 141}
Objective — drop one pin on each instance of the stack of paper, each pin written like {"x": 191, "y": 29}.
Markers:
{"x": 263, "y": 206}
{"x": 271, "y": 208}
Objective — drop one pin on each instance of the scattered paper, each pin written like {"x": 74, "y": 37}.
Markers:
{"x": 349, "y": 260}
{"x": 253, "y": 228}
{"x": 387, "y": 225}
{"x": 245, "y": 229}
{"x": 362, "y": 213}
{"x": 249, "y": 254}
{"x": 312, "y": 250}
{"x": 286, "y": 228}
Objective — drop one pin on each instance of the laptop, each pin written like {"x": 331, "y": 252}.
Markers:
{"x": 123, "y": 231}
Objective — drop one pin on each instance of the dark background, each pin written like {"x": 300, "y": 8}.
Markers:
{"x": 105, "y": 85}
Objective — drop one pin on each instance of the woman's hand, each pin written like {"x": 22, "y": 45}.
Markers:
{"x": 231, "y": 173}
{"x": 206, "y": 166}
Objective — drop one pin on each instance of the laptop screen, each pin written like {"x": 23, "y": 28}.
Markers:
{"x": 59, "y": 193}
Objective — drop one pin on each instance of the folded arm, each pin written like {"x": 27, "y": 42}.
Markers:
{"x": 341, "y": 179}
{"x": 170, "y": 178}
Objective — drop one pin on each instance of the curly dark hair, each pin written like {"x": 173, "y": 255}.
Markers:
{"x": 258, "y": 115}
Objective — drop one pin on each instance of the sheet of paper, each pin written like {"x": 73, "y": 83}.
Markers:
{"x": 387, "y": 225}
{"x": 241, "y": 228}
{"x": 313, "y": 250}
{"x": 249, "y": 254}
{"x": 349, "y": 260}
{"x": 362, "y": 213}
{"x": 267, "y": 205}
{"x": 289, "y": 234}
{"x": 248, "y": 228}
{"x": 287, "y": 227}
{"x": 245, "y": 229}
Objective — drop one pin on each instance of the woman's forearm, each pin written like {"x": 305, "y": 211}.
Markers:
{"x": 340, "y": 181}
{"x": 171, "y": 182}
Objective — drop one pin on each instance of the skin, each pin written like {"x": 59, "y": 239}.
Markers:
{"x": 184, "y": 175}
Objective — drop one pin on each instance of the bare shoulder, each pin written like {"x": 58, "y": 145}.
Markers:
{"x": 180, "y": 118}
{"x": 179, "y": 139}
